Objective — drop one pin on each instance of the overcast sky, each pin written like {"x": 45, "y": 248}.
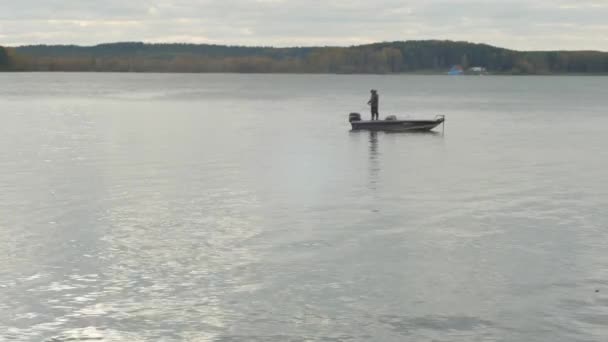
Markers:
{"x": 517, "y": 24}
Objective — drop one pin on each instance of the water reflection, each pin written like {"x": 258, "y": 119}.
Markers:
{"x": 374, "y": 160}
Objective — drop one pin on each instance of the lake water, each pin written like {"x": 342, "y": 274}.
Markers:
{"x": 241, "y": 208}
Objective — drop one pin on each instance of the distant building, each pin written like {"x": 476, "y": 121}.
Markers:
{"x": 478, "y": 70}
{"x": 456, "y": 70}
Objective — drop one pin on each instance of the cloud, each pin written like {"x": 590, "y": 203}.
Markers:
{"x": 519, "y": 24}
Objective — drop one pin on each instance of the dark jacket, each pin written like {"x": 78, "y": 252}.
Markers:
{"x": 374, "y": 100}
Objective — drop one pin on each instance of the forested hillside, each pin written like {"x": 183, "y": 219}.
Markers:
{"x": 380, "y": 58}
{"x": 4, "y": 61}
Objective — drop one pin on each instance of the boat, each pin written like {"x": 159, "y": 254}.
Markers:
{"x": 392, "y": 124}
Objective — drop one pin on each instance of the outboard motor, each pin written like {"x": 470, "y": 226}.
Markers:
{"x": 354, "y": 117}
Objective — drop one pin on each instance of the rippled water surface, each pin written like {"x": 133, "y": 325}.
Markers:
{"x": 241, "y": 208}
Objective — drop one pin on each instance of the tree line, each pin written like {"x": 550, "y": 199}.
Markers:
{"x": 379, "y": 58}
{"x": 5, "y": 63}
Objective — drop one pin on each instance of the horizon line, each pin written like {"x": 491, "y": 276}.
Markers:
{"x": 296, "y": 47}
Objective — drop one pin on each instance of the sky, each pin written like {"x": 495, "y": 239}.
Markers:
{"x": 515, "y": 24}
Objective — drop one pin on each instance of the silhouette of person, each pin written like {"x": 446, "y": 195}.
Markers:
{"x": 374, "y": 102}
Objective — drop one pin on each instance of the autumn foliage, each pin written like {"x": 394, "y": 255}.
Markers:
{"x": 380, "y": 58}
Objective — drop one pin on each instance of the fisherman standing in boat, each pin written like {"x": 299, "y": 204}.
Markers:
{"x": 374, "y": 101}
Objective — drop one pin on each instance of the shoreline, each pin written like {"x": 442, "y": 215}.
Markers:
{"x": 413, "y": 73}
